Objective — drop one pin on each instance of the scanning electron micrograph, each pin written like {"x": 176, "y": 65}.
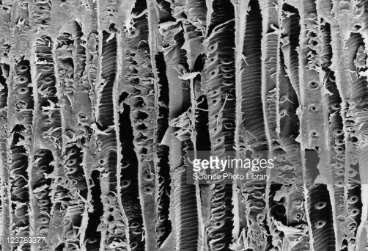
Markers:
{"x": 183, "y": 125}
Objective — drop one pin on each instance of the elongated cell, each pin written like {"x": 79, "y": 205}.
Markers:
{"x": 253, "y": 134}
{"x": 163, "y": 225}
{"x": 106, "y": 139}
{"x": 220, "y": 91}
{"x": 47, "y": 124}
{"x": 337, "y": 140}
{"x": 20, "y": 115}
{"x": 91, "y": 236}
{"x": 139, "y": 80}
{"x": 64, "y": 68}
{"x": 288, "y": 168}
{"x": 129, "y": 180}
{"x": 180, "y": 141}
{"x": 354, "y": 118}
{"x": 270, "y": 44}
{"x": 161, "y": 101}
{"x": 347, "y": 64}
{"x": 194, "y": 35}
{"x": 69, "y": 54}
{"x": 313, "y": 133}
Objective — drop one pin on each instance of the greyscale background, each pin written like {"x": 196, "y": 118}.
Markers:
{"x": 104, "y": 103}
